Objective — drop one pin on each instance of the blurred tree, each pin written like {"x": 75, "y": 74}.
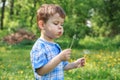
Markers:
{"x": 2, "y": 14}
{"x": 11, "y": 7}
{"x": 33, "y": 10}
{"x": 104, "y": 16}
{"x": 113, "y": 14}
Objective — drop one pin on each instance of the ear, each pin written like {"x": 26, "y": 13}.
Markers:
{"x": 40, "y": 24}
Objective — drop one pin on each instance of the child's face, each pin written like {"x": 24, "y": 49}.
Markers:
{"x": 53, "y": 28}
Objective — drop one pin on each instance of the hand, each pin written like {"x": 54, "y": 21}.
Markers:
{"x": 80, "y": 62}
{"x": 65, "y": 55}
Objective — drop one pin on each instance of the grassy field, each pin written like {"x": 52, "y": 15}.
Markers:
{"x": 100, "y": 64}
{"x": 15, "y": 63}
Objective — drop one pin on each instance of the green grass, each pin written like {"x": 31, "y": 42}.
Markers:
{"x": 15, "y": 63}
{"x": 100, "y": 64}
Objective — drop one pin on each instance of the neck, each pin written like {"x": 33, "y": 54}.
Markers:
{"x": 46, "y": 38}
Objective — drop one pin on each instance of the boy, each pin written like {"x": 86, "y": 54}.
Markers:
{"x": 48, "y": 61}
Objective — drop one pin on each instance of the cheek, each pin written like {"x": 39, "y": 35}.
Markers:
{"x": 52, "y": 27}
{"x": 62, "y": 30}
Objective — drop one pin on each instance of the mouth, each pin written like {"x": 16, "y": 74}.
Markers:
{"x": 59, "y": 33}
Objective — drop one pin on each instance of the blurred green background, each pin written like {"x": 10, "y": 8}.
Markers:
{"x": 96, "y": 24}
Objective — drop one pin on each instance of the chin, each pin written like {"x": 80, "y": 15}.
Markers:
{"x": 57, "y": 36}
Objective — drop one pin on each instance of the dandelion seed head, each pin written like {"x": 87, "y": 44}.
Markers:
{"x": 74, "y": 37}
{"x": 86, "y": 51}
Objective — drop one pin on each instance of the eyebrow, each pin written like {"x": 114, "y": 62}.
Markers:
{"x": 58, "y": 21}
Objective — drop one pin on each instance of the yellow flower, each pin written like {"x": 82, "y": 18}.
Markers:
{"x": 108, "y": 65}
{"x": 21, "y": 72}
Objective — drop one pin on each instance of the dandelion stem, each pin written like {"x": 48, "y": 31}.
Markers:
{"x": 72, "y": 41}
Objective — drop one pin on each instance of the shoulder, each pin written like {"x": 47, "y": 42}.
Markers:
{"x": 39, "y": 45}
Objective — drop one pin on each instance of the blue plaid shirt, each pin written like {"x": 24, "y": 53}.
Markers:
{"x": 41, "y": 53}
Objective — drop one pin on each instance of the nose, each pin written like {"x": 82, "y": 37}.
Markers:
{"x": 59, "y": 26}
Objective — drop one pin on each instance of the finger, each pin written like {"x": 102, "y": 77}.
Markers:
{"x": 83, "y": 63}
{"x": 82, "y": 60}
{"x": 68, "y": 58}
{"x": 78, "y": 66}
{"x": 69, "y": 52}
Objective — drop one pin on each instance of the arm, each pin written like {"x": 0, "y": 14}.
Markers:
{"x": 78, "y": 63}
{"x": 49, "y": 66}
{"x": 63, "y": 56}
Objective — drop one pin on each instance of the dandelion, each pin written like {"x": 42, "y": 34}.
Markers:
{"x": 86, "y": 51}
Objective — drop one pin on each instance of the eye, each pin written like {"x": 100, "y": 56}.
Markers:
{"x": 58, "y": 23}
{"x": 55, "y": 23}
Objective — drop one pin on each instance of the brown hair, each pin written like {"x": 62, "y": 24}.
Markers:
{"x": 47, "y": 10}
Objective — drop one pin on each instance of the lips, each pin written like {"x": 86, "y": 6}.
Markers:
{"x": 59, "y": 33}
